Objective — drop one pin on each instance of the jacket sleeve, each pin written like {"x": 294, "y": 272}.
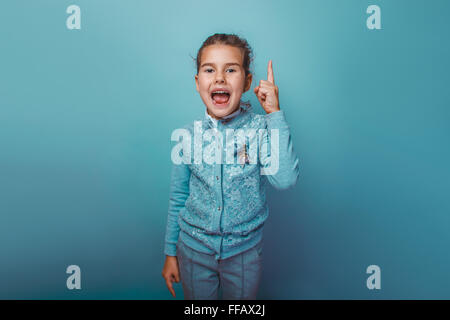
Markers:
{"x": 279, "y": 163}
{"x": 179, "y": 192}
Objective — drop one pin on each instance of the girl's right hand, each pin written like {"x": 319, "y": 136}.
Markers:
{"x": 170, "y": 272}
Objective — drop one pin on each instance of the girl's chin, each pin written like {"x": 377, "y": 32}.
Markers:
{"x": 220, "y": 111}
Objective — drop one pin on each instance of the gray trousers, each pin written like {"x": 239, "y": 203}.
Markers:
{"x": 204, "y": 278}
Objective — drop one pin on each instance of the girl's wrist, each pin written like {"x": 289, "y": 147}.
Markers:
{"x": 272, "y": 111}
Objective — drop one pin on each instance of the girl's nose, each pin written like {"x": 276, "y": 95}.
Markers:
{"x": 219, "y": 78}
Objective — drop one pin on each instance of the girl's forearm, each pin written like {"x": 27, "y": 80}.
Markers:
{"x": 179, "y": 192}
{"x": 286, "y": 171}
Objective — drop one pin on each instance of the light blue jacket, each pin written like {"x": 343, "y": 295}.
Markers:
{"x": 220, "y": 208}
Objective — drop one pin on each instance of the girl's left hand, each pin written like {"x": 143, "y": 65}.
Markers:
{"x": 267, "y": 92}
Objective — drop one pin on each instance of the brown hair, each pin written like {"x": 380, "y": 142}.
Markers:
{"x": 231, "y": 40}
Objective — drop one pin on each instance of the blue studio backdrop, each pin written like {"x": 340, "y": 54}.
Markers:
{"x": 86, "y": 115}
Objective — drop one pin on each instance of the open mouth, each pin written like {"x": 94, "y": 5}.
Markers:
{"x": 220, "y": 97}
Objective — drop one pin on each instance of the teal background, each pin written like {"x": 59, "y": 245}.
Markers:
{"x": 85, "y": 123}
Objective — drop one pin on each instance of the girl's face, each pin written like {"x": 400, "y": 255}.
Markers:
{"x": 221, "y": 79}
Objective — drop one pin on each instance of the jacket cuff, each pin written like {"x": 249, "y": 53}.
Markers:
{"x": 170, "y": 249}
{"x": 276, "y": 120}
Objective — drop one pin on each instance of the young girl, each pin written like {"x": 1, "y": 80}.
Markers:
{"x": 217, "y": 210}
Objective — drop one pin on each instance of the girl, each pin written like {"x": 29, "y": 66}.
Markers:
{"x": 217, "y": 211}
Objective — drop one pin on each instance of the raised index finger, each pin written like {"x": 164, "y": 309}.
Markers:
{"x": 270, "y": 73}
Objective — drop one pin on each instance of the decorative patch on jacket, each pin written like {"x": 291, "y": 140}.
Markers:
{"x": 243, "y": 158}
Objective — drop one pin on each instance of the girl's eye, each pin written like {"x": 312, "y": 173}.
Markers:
{"x": 209, "y": 70}
{"x": 231, "y": 70}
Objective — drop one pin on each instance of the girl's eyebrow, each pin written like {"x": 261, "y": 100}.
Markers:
{"x": 226, "y": 64}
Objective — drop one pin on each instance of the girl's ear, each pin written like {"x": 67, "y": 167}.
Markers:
{"x": 248, "y": 82}
{"x": 196, "y": 82}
